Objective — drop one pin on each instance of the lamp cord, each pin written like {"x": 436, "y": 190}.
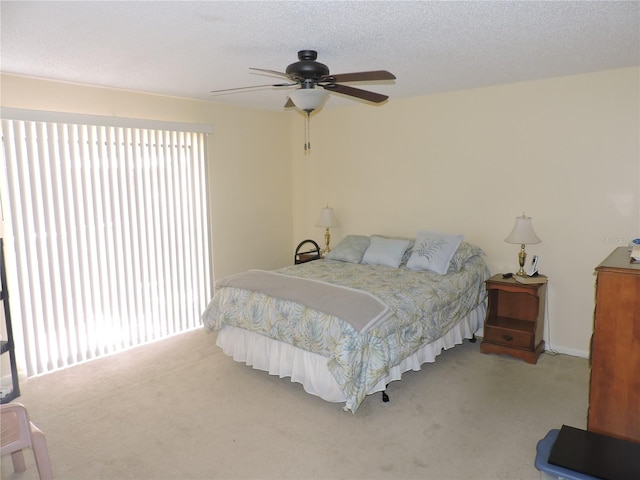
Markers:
{"x": 549, "y": 351}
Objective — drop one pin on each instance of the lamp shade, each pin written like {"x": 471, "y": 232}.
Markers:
{"x": 327, "y": 218}
{"x": 309, "y": 99}
{"x": 522, "y": 232}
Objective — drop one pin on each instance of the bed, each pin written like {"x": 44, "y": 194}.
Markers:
{"x": 347, "y": 325}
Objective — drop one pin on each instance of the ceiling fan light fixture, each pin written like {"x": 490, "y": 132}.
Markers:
{"x": 309, "y": 99}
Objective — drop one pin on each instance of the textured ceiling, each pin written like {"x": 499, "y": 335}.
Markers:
{"x": 187, "y": 48}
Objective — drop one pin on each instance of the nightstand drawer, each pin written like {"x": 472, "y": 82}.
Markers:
{"x": 511, "y": 338}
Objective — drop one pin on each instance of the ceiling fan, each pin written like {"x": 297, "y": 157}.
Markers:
{"x": 314, "y": 83}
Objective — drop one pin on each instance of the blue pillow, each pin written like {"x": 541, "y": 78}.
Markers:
{"x": 385, "y": 251}
{"x": 350, "y": 249}
{"x": 433, "y": 251}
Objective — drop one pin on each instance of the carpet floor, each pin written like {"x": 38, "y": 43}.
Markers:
{"x": 181, "y": 409}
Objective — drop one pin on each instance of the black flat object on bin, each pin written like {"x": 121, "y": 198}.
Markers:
{"x": 597, "y": 455}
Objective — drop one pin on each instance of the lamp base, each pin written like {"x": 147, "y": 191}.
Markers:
{"x": 327, "y": 239}
{"x": 522, "y": 257}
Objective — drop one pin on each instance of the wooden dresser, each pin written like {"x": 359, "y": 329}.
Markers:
{"x": 614, "y": 393}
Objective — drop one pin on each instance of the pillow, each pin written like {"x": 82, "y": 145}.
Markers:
{"x": 385, "y": 251}
{"x": 433, "y": 251}
{"x": 407, "y": 253}
{"x": 350, "y": 249}
{"x": 464, "y": 252}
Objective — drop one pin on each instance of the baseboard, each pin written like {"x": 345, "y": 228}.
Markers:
{"x": 569, "y": 351}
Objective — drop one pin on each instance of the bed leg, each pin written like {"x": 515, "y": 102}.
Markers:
{"x": 473, "y": 339}
{"x": 385, "y": 397}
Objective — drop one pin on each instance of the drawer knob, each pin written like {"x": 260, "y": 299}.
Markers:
{"x": 507, "y": 337}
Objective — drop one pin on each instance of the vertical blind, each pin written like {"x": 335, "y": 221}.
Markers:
{"x": 108, "y": 229}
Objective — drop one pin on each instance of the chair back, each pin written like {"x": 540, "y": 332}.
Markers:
{"x": 15, "y": 428}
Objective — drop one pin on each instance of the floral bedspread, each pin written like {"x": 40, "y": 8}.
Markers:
{"x": 425, "y": 305}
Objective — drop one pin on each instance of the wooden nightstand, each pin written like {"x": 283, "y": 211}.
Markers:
{"x": 515, "y": 318}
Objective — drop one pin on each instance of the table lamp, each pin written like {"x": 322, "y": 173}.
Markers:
{"x": 523, "y": 234}
{"x": 327, "y": 220}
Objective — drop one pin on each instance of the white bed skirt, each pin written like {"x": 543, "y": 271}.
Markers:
{"x": 311, "y": 370}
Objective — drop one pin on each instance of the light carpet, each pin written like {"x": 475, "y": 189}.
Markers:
{"x": 181, "y": 409}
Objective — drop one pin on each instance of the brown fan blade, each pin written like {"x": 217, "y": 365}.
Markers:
{"x": 289, "y": 103}
{"x": 231, "y": 90}
{"x": 359, "y": 77}
{"x": 356, "y": 92}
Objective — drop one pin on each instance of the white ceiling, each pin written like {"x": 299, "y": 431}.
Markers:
{"x": 188, "y": 48}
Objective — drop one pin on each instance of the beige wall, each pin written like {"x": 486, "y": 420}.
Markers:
{"x": 249, "y": 162}
{"x": 564, "y": 150}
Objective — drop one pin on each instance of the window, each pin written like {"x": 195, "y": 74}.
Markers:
{"x": 106, "y": 237}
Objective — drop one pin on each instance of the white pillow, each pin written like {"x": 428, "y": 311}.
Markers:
{"x": 385, "y": 251}
{"x": 433, "y": 251}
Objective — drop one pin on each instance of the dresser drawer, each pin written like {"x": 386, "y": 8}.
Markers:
{"x": 508, "y": 337}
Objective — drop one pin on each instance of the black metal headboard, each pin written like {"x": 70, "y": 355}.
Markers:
{"x": 306, "y": 255}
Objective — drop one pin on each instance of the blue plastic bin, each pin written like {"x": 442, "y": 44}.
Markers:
{"x": 549, "y": 471}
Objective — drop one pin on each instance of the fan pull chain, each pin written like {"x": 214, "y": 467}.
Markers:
{"x": 307, "y": 134}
